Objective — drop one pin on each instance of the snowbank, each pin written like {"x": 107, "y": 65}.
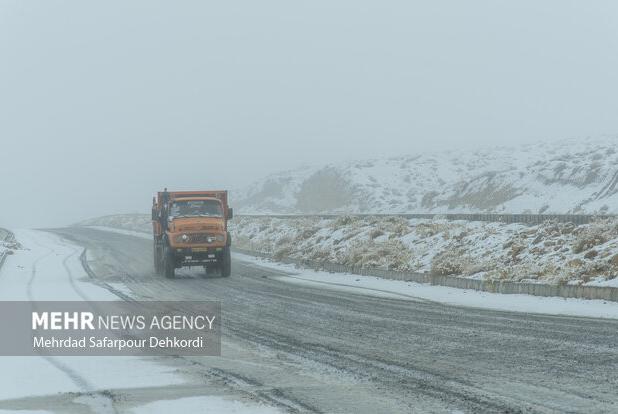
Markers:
{"x": 48, "y": 268}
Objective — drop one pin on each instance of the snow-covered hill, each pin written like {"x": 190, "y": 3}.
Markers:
{"x": 572, "y": 176}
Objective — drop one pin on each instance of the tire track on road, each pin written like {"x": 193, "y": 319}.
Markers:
{"x": 425, "y": 381}
{"x": 87, "y": 388}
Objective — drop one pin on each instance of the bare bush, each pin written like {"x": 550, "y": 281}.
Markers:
{"x": 594, "y": 234}
{"x": 449, "y": 262}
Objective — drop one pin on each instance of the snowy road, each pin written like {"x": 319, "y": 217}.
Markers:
{"x": 309, "y": 348}
{"x": 49, "y": 268}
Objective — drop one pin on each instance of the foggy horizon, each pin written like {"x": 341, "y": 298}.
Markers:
{"x": 102, "y": 104}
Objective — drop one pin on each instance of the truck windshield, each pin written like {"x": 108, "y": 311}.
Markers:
{"x": 196, "y": 208}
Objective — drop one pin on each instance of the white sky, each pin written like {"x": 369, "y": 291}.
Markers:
{"x": 102, "y": 103}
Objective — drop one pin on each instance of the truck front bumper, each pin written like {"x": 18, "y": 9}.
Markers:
{"x": 198, "y": 256}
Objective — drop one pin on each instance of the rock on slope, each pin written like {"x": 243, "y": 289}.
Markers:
{"x": 574, "y": 176}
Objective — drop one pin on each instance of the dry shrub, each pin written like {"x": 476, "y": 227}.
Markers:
{"x": 283, "y": 252}
{"x": 450, "y": 262}
{"x": 432, "y": 228}
{"x": 594, "y": 234}
{"x": 320, "y": 255}
{"x": 343, "y": 221}
{"x": 391, "y": 254}
{"x": 587, "y": 240}
{"x": 308, "y": 233}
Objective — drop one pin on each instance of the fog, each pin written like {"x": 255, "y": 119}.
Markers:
{"x": 102, "y": 103}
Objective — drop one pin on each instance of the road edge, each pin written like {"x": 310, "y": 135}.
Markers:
{"x": 504, "y": 287}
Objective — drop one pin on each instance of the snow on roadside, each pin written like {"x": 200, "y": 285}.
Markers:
{"x": 203, "y": 404}
{"x": 554, "y": 253}
{"x": 48, "y": 268}
{"x": 24, "y": 412}
{"x": 375, "y": 286}
{"x": 101, "y": 372}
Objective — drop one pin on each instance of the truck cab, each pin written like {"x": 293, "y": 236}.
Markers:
{"x": 190, "y": 229}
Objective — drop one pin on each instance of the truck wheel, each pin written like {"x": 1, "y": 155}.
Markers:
{"x": 156, "y": 252}
{"x": 226, "y": 265}
{"x": 169, "y": 267}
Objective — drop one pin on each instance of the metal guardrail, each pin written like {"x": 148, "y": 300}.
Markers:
{"x": 504, "y": 287}
{"x": 531, "y": 219}
{"x": 576, "y": 219}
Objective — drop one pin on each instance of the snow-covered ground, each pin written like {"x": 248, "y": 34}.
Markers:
{"x": 46, "y": 267}
{"x": 548, "y": 253}
{"x": 204, "y": 405}
{"x": 572, "y": 176}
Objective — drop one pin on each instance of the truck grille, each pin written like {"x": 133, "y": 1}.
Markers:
{"x": 200, "y": 238}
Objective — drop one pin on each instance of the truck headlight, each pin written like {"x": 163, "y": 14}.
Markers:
{"x": 182, "y": 238}
{"x": 220, "y": 237}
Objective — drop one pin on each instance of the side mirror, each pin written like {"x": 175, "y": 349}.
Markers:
{"x": 230, "y": 213}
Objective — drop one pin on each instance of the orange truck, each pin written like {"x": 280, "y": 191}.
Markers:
{"x": 190, "y": 229}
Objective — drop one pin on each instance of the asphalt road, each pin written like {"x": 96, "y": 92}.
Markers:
{"x": 312, "y": 349}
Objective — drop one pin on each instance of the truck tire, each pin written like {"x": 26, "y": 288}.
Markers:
{"x": 169, "y": 267}
{"x": 156, "y": 252}
{"x": 226, "y": 264}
